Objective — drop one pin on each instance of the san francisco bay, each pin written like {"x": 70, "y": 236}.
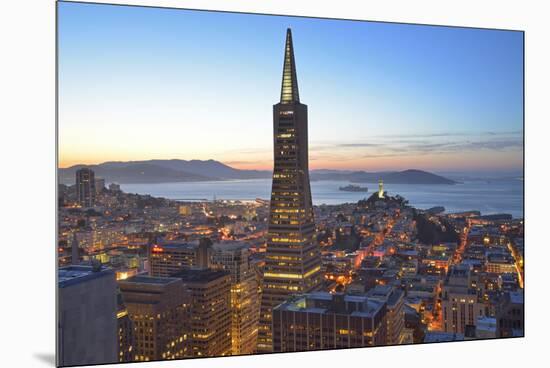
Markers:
{"x": 488, "y": 197}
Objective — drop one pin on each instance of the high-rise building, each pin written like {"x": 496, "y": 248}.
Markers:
{"x": 292, "y": 258}
{"x": 87, "y": 322}
{"x": 328, "y": 321}
{"x": 204, "y": 253}
{"x": 99, "y": 185}
{"x": 210, "y": 322}
{"x": 85, "y": 187}
{"x": 125, "y": 332}
{"x": 158, "y": 310}
{"x": 245, "y": 297}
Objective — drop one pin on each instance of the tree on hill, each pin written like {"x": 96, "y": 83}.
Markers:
{"x": 428, "y": 232}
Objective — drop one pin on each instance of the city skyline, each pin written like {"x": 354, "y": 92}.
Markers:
{"x": 455, "y": 106}
{"x": 174, "y": 275}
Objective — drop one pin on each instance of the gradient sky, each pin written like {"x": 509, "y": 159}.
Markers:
{"x": 142, "y": 83}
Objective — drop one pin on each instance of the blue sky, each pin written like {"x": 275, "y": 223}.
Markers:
{"x": 140, "y": 83}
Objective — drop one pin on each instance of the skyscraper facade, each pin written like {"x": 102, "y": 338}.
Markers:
{"x": 168, "y": 259}
{"x": 87, "y": 316}
{"x": 85, "y": 187}
{"x": 245, "y": 298}
{"x": 125, "y": 332}
{"x": 158, "y": 310}
{"x": 210, "y": 311}
{"x": 292, "y": 261}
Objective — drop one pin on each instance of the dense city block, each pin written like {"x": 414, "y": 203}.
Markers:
{"x": 185, "y": 279}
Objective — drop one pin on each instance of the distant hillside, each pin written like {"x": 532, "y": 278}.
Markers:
{"x": 416, "y": 177}
{"x": 400, "y": 177}
{"x": 171, "y": 171}
{"x": 162, "y": 171}
{"x": 132, "y": 173}
{"x": 211, "y": 168}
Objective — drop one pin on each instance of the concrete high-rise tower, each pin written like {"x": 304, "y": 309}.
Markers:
{"x": 245, "y": 297}
{"x": 86, "y": 316}
{"x": 292, "y": 259}
{"x": 85, "y": 187}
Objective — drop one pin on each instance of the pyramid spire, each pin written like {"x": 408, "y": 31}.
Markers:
{"x": 289, "y": 88}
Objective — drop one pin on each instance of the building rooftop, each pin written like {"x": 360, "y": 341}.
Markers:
{"x": 177, "y": 245}
{"x": 471, "y": 262}
{"x": 141, "y": 279}
{"x": 516, "y": 297}
{"x": 500, "y": 259}
{"x": 438, "y": 257}
{"x": 380, "y": 291}
{"x": 437, "y": 336}
{"x": 319, "y": 295}
{"x": 387, "y": 293}
{"x": 75, "y": 274}
{"x": 230, "y": 245}
{"x": 198, "y": 274}
{"x": 460, "y": 270}
{"x": 486, "y": 323}
{"x": 339, "y": 303}
{"x": 408, "y": 252}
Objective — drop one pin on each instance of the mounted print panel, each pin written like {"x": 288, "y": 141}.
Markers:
{"x": 234, "y": 184}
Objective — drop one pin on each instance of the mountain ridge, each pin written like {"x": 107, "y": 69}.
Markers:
{"x": 176, "y": 170}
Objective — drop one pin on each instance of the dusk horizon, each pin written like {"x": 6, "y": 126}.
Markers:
{"x": 455, "y": 106}
{"x": 449, "y": 171}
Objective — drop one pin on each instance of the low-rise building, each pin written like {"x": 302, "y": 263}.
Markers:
{"x": 497, "y": 263}
{"x": 461, "y": 302}
{"x": 438, "y": 336}
{"x": 486, "y": 327}
{"x": 395, "y": 314}
{"x": 328, "y": 321}
{"x": 510, "y": 314}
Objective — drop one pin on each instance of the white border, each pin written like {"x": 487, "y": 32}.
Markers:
{"x": 28, "y": 162}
